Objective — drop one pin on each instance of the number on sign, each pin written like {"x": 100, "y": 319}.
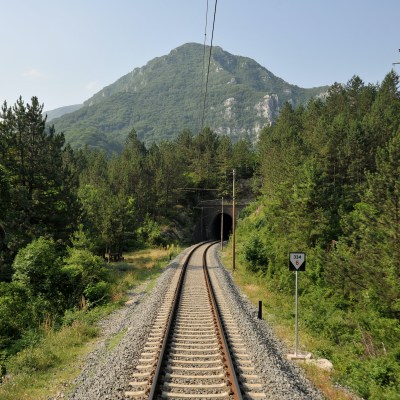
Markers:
{"x": 297, "y": 261}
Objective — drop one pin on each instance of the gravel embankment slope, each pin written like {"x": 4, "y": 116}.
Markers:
{"x": 282, "y": 379}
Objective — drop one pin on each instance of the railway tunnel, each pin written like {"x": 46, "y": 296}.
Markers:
{"x": 223, "y": 221}
{"x": 210, "y": 219}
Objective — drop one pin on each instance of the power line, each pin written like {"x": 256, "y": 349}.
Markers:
{"x": 204, "y": 56}
{"x": 396, "y": 63}
{"x": 209, "y": 62}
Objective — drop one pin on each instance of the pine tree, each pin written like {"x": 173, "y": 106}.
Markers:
{"x": 42, "y": 199}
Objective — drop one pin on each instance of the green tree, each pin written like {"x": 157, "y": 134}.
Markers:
{"x": 203, "y": 166}
{"x": 373, "y": 230}
{"x": 42, "y": 197}
{"x": 38, "y": 268}
{"x": 244, "y": 158}
{"x": 4, "y": 206}
{"x": 224, "y": 164}
{"x": 107, "y": 217}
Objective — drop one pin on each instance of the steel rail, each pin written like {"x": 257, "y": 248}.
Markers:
{"x": 157, "y": 375}
{"x": 225, "y": 349}
{"x": 228, "y": 363}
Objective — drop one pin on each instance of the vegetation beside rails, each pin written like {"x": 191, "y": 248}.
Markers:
{"x": 53, "y": 354}
{"x": 279, "y": 311}
{"x": 41, "y": 369}
{"x": 329, "y": 185}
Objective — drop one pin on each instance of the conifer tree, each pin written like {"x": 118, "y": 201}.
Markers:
{"x": 41, "y": 193}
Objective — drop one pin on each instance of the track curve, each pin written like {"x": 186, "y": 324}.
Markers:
{"x": 188, "y": 354}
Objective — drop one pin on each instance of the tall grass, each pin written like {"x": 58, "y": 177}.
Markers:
{"x": 35, "y": 372}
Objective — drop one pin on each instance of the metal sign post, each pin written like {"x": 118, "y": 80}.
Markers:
{"x": 233, "y": 223}
{"x": 297, "y": 262}
{"x": 222, "y": 223}
{"x": 297, "y": 315}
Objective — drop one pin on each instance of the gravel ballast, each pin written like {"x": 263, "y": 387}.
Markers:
{"x": 106, "y": 372}
{"x": 282, "y": 379}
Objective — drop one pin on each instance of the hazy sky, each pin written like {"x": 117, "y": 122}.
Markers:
{"x": 64, "y": 51}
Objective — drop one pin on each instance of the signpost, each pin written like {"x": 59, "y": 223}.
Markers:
{"x": 233, "y": 223}
{"x": 297, "y": 262}
{"x": 222, "y": 223}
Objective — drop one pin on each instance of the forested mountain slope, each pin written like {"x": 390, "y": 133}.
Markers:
{"x": 59, "y": 112}
{"x": 330, "y": 186}
{"x": 165, "y": 97}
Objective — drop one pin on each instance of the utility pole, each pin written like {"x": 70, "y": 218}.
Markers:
{"x": 222, "y": 222}
{"x": 233, "y": 222}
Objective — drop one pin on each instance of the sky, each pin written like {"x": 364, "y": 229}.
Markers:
{"x": 64, "y": 51}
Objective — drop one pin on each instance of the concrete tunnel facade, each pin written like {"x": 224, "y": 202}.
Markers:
{"x": 211, "y": 218}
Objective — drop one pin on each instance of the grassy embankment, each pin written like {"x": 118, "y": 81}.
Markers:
{"x": 55, "y": 356}
{"x": 278, "y": 311}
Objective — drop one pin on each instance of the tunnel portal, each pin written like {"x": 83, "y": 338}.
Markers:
{"x": 226, "y": 228}
{"x": 208, "y": 226}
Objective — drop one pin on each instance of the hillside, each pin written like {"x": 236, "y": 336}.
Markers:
{"x": 165, "y": 97}
{"x": 59, "y": 112}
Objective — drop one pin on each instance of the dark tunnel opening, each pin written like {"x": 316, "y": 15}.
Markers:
{"x": 226, "y": 228}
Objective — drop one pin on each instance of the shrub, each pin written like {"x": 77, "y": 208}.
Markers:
{"x": 150, "y": 232}
{"x": 15, "y": 312}
{"x": 38, "y": 268}
{"x": 374, "y": 378}
{"x": 72, "y": 315}
{"x": 97, "y": 292}
{"x": 255, "y": 255}
{"x": 82, "y": 270}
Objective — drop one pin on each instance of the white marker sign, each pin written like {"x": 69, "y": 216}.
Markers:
{"x": 297, "y": 261}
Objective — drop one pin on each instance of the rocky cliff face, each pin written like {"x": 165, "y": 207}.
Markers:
{"x": 268, "y": 108}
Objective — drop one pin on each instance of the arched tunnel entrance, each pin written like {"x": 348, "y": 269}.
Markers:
{"x": 226, "y": 222}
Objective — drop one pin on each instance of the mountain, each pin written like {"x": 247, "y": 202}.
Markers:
{"x": 165, "y": 97}
{"x": 59, "y": 112}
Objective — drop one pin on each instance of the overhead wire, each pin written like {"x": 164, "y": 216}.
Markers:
{"x": 204, "y": 57}
{"x": 209, "y": 62}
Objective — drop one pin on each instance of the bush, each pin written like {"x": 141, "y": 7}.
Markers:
{"x": 97, "y": 292}
{"x": 83, "y": 270}
{"x": 374, "y": 378}
{"x": 72, "y": 315}
{"x": 38, "y": 268}
{"x": 255, "y": 255}
{"x": 150, "y": 233}
{"x": 15, "y": 312}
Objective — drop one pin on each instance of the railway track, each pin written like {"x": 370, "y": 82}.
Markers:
{"x": 194, "y": 349}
